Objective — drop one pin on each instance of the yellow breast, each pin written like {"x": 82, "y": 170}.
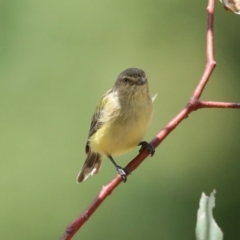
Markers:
{"x": 124, "y": 131}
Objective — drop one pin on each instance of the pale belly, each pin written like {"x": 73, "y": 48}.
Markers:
{"x": 120, "y": 136}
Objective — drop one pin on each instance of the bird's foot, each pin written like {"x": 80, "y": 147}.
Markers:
{"x": 123, "y": 172}
{"x": 148, "y": 146}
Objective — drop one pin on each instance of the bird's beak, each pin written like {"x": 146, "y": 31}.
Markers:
{"x": 141, "y": 81}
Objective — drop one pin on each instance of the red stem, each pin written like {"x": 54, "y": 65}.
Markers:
{"x": 211, "y": 104}
{"x": 211, "y": 64}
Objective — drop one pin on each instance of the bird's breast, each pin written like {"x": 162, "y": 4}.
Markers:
{"x": 124, "y": 131}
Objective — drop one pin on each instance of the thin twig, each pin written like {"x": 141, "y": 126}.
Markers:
{"x": 193, "y": 105}
{"x": 211, "y": 64}
{"x": 211, "y": 104}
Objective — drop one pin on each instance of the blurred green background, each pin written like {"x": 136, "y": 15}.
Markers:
{"x": 57, "y": 58}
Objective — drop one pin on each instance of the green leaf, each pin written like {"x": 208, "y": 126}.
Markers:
{"x": 207, "y": 228}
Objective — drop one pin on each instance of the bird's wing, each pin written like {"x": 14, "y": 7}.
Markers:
{"x": 96, "y": 119}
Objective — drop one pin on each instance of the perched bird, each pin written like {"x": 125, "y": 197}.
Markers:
{"x": 119, "y": 122}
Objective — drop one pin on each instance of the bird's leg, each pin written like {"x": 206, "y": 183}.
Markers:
{"x": 148, "y": 146}
{"x": 123, "y": 172}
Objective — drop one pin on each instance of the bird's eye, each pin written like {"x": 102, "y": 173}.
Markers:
{"x": 125, "y": 80}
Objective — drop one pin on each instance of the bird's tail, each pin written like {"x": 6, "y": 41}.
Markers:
{"x": 91, "y": 166}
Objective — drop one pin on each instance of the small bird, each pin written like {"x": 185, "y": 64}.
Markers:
{"x": 119, "y": 122}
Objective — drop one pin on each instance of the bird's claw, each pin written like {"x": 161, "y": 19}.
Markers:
{"x": 123, "y": 172}
{"x": 148, "y": 146}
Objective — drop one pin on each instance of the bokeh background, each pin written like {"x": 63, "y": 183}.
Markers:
{"x": 57, "y": 58}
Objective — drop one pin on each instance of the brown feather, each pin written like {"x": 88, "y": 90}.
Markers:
{"x": 91, "y": 166}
